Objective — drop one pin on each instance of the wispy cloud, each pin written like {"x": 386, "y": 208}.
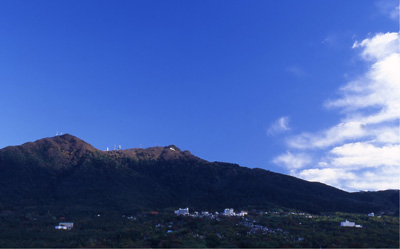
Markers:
{"x": 279, "y": 126}
{"x": 334, "y": 135}
{"x": 335, "y": 40}
{"x": 372, "y": 179}
{"x": 330, "y": 176}
{"x": 296, "y": 71}
{"x": 293, "y": 161}
{"x": 389, "y": 8}
{"x": 362, "y": 151}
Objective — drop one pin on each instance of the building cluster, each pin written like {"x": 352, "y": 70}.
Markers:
{"x": 347, "y": 223}
{"x": 254, "y": 228}
{"x": 230, "y": 212}
{"x": 227, "y": 212}
{"x": 115, "y": 148}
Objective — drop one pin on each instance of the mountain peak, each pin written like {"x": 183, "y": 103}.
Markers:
{"x": 173, "y": 148}
{"x": 63, "y": 150}
{"x": 64, "y": 142}
{"x": 58, "y": 152}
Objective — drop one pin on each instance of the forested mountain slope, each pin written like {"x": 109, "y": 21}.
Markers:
{"x": 66, "y": 172}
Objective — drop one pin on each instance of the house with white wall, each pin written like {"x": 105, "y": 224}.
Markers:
{"x": 65, "y": 226}
{"x": 347, "y": 224}
{"x": 182, "y": 211}
{"x": 229, "y": 212}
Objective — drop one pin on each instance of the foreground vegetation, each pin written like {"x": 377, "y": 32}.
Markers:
{"x": 145, "y": 228}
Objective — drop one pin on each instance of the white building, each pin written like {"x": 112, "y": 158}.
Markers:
{"x": 182, "y": 211}
{"x": 347, "y": 224}
{"x": 229, "y": 212}
{"x": 65, "y": 226}
{"x": 371, "y": 215}
{"x": 61, "y": 227}
{"x": 242, "y": 213}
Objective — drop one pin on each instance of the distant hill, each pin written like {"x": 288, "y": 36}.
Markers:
{"x": 64, "y": 172}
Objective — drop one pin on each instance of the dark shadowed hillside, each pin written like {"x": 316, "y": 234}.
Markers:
{"x": 65, "y": 172}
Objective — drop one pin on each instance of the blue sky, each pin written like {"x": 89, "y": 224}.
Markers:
{"x": 306, "y": 88}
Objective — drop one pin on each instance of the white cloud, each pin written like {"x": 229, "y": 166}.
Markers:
{"x": 381, "y": 178}
{"x": 331, "y": 136}
{"x": 323, "y": 164}
{"x": 379, "y": 88}
{"x": 292, "y": 161}
{"x": 365, "y": 155}
{"x": 375, "y": 179}
{"x": 330, "y": 176}
{"x": 362, "y": 151}
{"x": 379, "y": 47}
{"x": 279, "y": 126}
{"x": 389, "y": 135}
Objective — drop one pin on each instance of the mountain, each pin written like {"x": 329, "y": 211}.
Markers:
{"x": 66, "y": 173}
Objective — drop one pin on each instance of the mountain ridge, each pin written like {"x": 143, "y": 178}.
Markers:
{"x": 51, "y": 171}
